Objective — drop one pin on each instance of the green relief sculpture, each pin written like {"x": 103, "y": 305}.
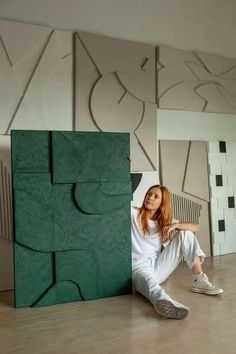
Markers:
{"x": 72, "y": 193}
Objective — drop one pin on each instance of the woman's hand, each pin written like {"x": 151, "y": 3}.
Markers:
{"x": 168, "y": 232}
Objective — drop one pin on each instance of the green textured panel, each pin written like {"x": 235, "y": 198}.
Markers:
{"x": 82, "y": 268}
{"x": 74, "y": 153}
{"x": 52, "y": 213}
{"x": 34, "y": 212}
{"x": 73, "y": 234}
{"x": 31, "y": 151}
{"x": 106, "y": 196}
{"x": 33, "y": 275}
{"x": 60, "y": 293}
{"x": 75, "y": 229}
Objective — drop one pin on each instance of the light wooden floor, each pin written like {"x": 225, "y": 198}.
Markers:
{"x": 129, "y": 324}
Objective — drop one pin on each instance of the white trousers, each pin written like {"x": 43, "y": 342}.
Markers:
{"x": 148, "y": 272}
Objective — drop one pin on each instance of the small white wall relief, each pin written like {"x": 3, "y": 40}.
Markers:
{"x": 6, "y": 229}
{"x": 36, "y": 77}
{"x": 5, "y": 189}
{"x": 195, "y": 81}
{"x": 116, "y": 91}
{"x": 223, "y": 193}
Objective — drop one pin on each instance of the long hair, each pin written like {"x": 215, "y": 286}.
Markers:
{"x": 163, "y": 215}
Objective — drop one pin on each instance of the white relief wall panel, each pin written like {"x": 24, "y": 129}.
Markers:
{"x": 6, "y": 231}
{"x": 116, "y": 91}
{"x": 6, "y": 227}
{"x": 222, "y": 168}
{"x": 195, "y": 81}
{"x": 36, "y": 77}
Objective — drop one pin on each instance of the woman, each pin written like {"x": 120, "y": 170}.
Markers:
{"x": 152, "y": 225}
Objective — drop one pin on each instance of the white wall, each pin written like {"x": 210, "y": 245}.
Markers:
{"x": 204, "y": 25}
{"x": 183, "y": 125}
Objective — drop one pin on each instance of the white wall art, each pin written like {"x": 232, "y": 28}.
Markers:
{"x": 36, "y": 77}
{"x": 222, "y": 168}
{"x": 196, "y": 81}
{"x": 6, "y": 220}
{"x": 116, "y": 91}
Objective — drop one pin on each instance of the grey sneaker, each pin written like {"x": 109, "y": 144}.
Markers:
{"x": 171, "y": 309}
{"x": 202, "y": 285}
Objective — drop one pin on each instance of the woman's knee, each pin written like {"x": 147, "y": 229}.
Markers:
{"x": 186, "y": 234}
{"x": 183, "y": 239}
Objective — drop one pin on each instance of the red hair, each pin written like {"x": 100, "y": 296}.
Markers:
{"x": 163, "y": 215}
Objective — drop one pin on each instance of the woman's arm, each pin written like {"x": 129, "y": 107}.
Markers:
{"x": 178, "y": 226}
{"x": 186, "y": 226}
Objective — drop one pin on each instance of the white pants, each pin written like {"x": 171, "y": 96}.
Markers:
{"x": 148, "y": 273}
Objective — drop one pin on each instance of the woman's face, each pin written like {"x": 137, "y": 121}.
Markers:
{"x": 153, "y": 199}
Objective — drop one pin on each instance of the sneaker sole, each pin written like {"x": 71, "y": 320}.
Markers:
{"x": 207, "y": 292}
{"x": 166, "y": 309}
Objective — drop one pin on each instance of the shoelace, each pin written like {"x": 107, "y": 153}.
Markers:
{"x": 208, "y": 284}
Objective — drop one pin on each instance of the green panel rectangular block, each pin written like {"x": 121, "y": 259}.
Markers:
{"x": 72, "y": 193}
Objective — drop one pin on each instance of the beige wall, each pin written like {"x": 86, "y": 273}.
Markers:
{"x": 205, "y": 25}
{"x": 183, "y": 125}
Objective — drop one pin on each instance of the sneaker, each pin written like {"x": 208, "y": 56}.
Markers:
{"x": 202, "y": 285}
{"x": 171, "y": 309}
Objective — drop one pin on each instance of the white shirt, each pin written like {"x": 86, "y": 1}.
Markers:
{"x": 144, "y": 246}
